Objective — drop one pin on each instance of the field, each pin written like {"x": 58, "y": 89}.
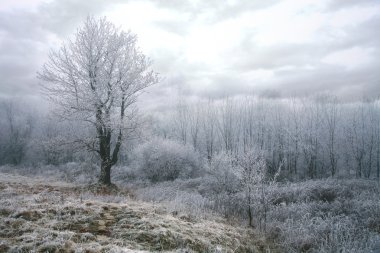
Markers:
{"x": 61, "y": 209}
{"x": 36, "y": 216}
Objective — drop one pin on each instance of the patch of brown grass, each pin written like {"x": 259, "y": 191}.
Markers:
{"x": 60, "y": 218}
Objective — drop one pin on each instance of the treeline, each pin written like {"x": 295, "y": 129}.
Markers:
{"x": 31, "y": 135}
{"x": 315, "y": 137}
{"x": 311, "y": 138}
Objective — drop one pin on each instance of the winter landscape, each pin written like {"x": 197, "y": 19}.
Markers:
{"x": 189, "y": 126}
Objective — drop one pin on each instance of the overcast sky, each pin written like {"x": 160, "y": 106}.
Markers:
{"x": 211, "y": 48}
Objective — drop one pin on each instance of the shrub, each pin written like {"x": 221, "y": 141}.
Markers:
{"x": 223, "y": 174}
{"x": 166, "y": 160}
{"x": 325, "y": 216}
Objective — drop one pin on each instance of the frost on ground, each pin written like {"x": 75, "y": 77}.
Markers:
{"x": 37, "y": 216}
{"x": 315, "y": 216}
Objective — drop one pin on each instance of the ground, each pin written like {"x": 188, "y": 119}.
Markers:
{"x": 43, "y": 215}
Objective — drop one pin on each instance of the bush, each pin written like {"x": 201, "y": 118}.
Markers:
{"x": 325, "y": 216}
{"x": 223, "y": 174}
{"x": 166, "y": 160}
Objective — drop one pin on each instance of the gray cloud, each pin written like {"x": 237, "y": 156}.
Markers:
{"x": 341, "y": 4}
{"x": 218, "y": 10}
{"x": 25, "y": 40}
{"x": 297, "y": 68}
{"x": 63, "y": 17}
{"x": 177, "y": 27}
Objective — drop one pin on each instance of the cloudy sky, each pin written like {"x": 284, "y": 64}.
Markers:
{"x": 211, "y": 48}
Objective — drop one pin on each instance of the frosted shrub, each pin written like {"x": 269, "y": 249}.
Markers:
{"x": 329, "y": 234}
{"x": 222, "y": 186}
{"x": 224, "y": 178}
{"x": 165, "y": 160}
{"x": 325, "y": 216}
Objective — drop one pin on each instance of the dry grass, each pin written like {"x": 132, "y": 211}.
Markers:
{"x": 41, "y": 216}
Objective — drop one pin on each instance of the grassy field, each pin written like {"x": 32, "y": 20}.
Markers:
{"x": 62, "y": 210}
{"x": 37, "y": 216}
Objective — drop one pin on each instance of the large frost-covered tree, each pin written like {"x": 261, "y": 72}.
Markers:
{"x": 96, "y": 77}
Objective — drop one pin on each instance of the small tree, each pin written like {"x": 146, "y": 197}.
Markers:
{"x": 253, "y": 173}
{"x": 96, "y": 78}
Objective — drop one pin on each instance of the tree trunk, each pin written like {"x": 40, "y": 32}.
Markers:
{"x": 378, "y": 163}
{"x": 249, "y": 210}
{"x": 250, "y": 216}
{"x": 105, "y": 173}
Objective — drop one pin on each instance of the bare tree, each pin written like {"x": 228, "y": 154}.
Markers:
{"x": 377, "y": 127}
{"x": 356, "y": 137}
{"x": 311, "y": 138}
{"x": 181, "y": 121}
{"x": 252, "y": 171}
{"x": 331, "y": 114}
{"x": 370, "y": 137}
{"x": 96, "y": 78}
{"x": 295, "y": 135}
{"x": 194, "y": 122}
{"x": 227, "y": 125}
{"x": 209, "y": 123}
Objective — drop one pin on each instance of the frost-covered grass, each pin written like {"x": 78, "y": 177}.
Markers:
{"x": 38, "y": 216}
{"x": 325, "y": 216}
{"x": 312, "y": 216}
{"x": 80, "y": 173}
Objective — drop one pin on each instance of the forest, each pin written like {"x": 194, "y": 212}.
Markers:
{"x": 309, "y": 138}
